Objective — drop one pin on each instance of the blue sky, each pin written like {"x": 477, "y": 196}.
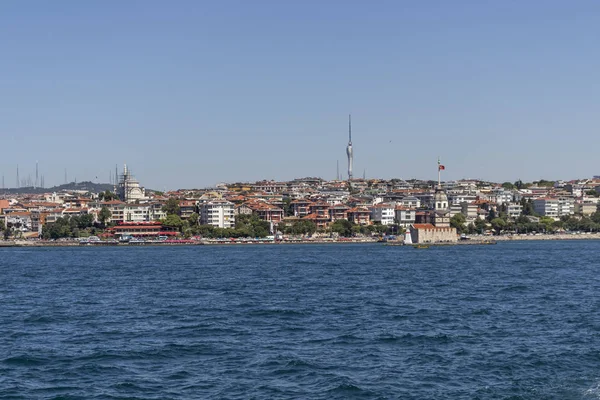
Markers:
{"x": 192, "y": 93}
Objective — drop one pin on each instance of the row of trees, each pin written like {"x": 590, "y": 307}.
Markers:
{"x": 524, "y": 224}
{"x": 523, "y": 185}
{"x": 74, "y": 226}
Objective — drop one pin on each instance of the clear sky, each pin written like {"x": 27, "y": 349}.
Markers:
{"x": 192, "y": 93}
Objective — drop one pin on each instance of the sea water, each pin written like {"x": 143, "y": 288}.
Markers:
{"x": 512, "y": 321}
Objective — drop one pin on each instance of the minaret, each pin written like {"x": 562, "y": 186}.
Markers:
{"x": 349, "y": 151}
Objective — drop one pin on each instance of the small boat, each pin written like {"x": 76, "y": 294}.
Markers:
{"x": 421, "y": 246}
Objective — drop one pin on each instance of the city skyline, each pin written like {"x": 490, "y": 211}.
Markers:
{"x": 194, "y": 95}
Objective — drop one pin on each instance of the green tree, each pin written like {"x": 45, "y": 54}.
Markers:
{"x": 59, "y": 229}
{"x": 302, "y": 227}
{"x": 480, "y": 225}
{"x": 342, "y": 227}
{"x": 458, "y": 221}
{"x": 287, "y": 207}
{"x": 508, "y": 185}
{"x": 252, "y": 225}
{"x": 104, "y": 215}
{"x": 558, "y": 225}
{"x": 173, "y": 221}
{"x": 106, "y": 196}
{"x": 547, "y": 223}
{"x": 194, "y": 219}
{"x": 491, "y": 215}
{"x": 86, "y": 221}
{"x": 527, "y": 205}
{"x": 2, "y": 226}
{"x": 519, "y": 184}
{"x": 206, "y": 230}
{"x": 498, "y": 224}
{"x": 544, "y": 183}
{"x": 172, "y": 206}
{"x": 471, "y": 229}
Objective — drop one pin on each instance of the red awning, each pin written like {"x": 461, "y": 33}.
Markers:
{"x": 168, "y": 233}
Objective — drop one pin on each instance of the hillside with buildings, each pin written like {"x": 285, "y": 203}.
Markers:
{"x": 432, "y": 211}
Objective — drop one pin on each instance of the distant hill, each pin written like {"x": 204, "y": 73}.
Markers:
{"x": 86, "y": 185}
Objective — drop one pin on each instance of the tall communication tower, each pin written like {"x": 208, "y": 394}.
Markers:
{"x": 349, "y": 151}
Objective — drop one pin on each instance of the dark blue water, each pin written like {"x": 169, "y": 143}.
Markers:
{"x": 511, "y": 321}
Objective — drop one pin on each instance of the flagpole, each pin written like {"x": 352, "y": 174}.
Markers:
{"x": 439, "y": 174}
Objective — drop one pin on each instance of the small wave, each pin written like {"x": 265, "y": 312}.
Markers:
{"x": 277, "y": 311}
{"x": 346, "y": 388}
{"x": 514, "y": 288}
{"x": 179, "y": 375}
{"x": 410, "y": 338}
{"x": 593, "y": 392}
{"x": 39, "y": 319}
{"x": 24, "y": 360}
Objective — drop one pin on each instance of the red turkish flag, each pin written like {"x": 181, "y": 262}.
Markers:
{"x": 441, "y": 168}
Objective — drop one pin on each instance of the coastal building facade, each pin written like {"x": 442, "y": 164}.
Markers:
{"x": 218, "y": 213}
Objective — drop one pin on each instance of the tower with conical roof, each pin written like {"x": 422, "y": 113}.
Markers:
{"x": 441, "y": 212}
{"x": 349, "y": 151}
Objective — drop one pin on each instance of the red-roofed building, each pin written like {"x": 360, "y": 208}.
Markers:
{"x": 3, "y": 205}
{"x": 359, "y": 215}
{"x": 301, "y": 207}
{"x": 321, "y": 221}
{"x": 142, "y": 229}
{"x": 338, "y": 211}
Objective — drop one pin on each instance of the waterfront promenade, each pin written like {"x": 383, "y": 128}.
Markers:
{"x": 227, "y": 242}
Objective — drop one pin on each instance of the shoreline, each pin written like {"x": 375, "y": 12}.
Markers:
{"x": 473, "y": 240}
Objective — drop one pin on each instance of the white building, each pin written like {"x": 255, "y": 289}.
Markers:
{"x": 546, "y": 206}
{"x": 566, "y": 206}
{"x": 458, "y": 198}
{"x": 218, "y": 213}
{"x": 384, "y": 213}
{"x": 19, "y": 221}
{"x": 514, "y": 210}
{"x": 410, "y": 201}
{"x": 123, "y": 212}
{"x": 586, "y": 208}
{"x": 129, "y": 189}
{"x": 501, "y": 196}
{"x": 405, "y": 216}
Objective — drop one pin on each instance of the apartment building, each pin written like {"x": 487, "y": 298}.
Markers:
{"x": 514, "y": 210}
{"x": 384, "y": 213}
{"x": 404, "y": 216}
{"x": 218, "y": 213}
